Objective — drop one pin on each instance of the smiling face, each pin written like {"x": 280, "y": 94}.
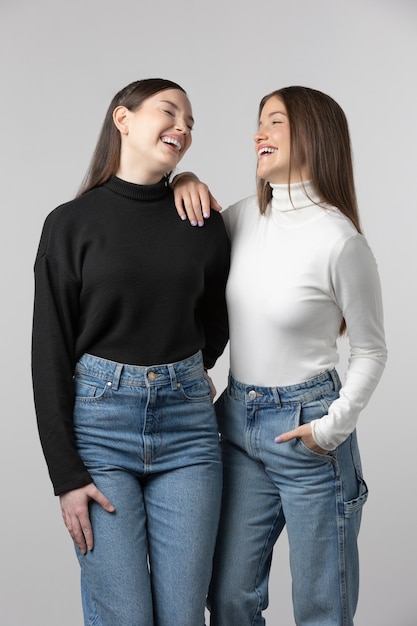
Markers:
{"x": 154, "y": 137}
{"x": 273, "y": 145}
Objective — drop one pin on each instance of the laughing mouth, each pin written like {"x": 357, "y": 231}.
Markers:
{"x": 266, "y": 150}
{"x": 171, "y": 141}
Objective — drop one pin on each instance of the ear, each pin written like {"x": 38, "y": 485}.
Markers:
{"x": 121, "y": 117}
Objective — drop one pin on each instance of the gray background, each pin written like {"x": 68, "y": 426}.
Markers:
{"x": 61, "y": 63}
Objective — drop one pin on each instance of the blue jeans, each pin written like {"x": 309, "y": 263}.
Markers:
{"x": 318, "y": 497}
{"x": 148, "y": 436}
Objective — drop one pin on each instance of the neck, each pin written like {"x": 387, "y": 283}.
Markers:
{"x": 138, "y": 171}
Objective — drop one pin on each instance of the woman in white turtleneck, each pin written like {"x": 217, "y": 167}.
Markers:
{"x": 301, "y": 274}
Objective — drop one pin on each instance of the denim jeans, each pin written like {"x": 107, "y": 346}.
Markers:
{"x": 148, "y": 436}
{"x": 318, "y": 497}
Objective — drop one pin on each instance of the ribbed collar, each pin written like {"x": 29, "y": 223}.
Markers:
{"x": 294, "y": 197}
{"x": 296, "y": 206}
{"x": 138, "y": 192}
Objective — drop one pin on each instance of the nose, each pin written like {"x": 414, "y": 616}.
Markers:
{"x": 182, "y": 126}
{"x": 259, "y": 136}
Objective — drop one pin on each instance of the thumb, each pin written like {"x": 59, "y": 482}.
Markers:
{"x": 101, "y": 499}
{"x": 214, "y": 204}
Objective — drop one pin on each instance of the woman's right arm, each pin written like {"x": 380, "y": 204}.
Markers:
{"x": 193, "y": 198}
{"x": 56, "y": 312}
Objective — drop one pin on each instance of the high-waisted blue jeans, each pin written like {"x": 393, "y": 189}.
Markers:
{"x": 148, "y": 436}
{"x": 318, "y": 497}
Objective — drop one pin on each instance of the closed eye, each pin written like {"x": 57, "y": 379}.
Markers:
{"x": 172, "y": 114}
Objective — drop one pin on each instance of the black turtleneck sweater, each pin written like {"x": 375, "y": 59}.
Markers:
{"x": 120, "y": 276}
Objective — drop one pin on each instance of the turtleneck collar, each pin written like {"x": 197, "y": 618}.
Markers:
{"x": 132, "y": 191}
{"x": 294, "y": 197}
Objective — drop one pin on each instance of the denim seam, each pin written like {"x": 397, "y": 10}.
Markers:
{"x": 259, "y": 607}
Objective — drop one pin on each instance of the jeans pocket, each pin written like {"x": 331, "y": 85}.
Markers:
{"x": 352, "y": 507}
{"x": 88, "y": 389}
{"x": 309, "y": 411}
{"x": 311, "y": 452}
{"x": 196, "y": 390}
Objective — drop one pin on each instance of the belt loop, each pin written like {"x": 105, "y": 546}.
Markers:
{"x": 335, "y": 378}
{"x": 117, "y": 375}
{"x": 173, "y": 377}
{"x": 276, "y": 397}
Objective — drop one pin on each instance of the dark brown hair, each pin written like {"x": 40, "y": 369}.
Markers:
{"x": 320, "y": 140}
{"x": 106, "y": 156}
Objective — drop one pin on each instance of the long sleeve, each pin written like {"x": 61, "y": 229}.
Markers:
{"x": 54, "y": 326}
{"x": 213, "y": 309}
{"x": 357, "y": 292}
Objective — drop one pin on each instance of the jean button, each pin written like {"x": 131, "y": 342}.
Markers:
{"x": 252, "y": 394}
{"x": 151, "y": 375}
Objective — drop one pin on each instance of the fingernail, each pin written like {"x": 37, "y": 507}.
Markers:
{"x": 206, "y": 215}
{"x": 201, "y": 223}
{"x": 183, "y": 217}
{"x": 278, "y": 440}
{"x": 193, "y": 223}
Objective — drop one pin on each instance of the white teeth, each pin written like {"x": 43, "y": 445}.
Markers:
{"x": 266, "y": 150}
{"x": 172, "y": 141}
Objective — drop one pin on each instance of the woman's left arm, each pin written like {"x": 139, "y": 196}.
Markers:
{"x": 357, "y": 291}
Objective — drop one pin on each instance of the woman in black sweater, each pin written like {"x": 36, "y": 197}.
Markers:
{"x": 129, "y": 313}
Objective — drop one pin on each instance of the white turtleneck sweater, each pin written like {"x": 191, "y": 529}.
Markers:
{"x": 295, "y": 273}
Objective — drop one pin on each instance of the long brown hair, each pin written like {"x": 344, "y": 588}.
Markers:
{"x": 320, "y": 140}
{"x": 106, "y": 156}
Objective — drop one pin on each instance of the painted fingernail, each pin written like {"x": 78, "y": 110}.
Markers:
{"x": 201, "y": 223}
{"x": 183, "y": 217}
{"x": 278, "y": 440}
{"x": 193, "y": 223}
{"x": 206, "y": 215}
